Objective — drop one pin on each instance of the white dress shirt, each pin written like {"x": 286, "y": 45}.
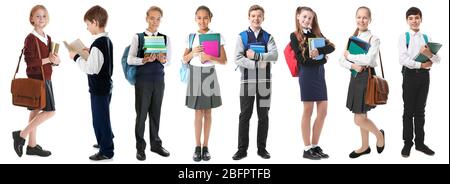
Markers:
{"x": 43, "y": 39}
{"x": 94, "y": 63}
{"x": 406, "y": 55}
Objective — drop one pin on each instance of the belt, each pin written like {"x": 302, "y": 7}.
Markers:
{"x": 405, "y": 69}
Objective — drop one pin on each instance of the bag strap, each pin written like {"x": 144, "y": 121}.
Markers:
{"x": 381, "y": 63}
{"x": 40, "y": 57}
{"x": 18, "y": 63}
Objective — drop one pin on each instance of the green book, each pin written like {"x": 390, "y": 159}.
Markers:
{"x": 434, "y": 48}
{"x": 354, "y": 48}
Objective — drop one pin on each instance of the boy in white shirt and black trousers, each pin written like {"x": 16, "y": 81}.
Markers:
{"x": 99, "y": 69}
{"x": 416, "y": 82}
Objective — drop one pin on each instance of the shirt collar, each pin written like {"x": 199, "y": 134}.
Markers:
{"x": 43, "y": 39}
{"x": 413, "y": 33}
{"x": 364, "y": 34}
{"x": 210, "y": 31}
{"x": 105, "y": 34}
{"x": 150, "y": 33}
{"x": 306, "y": 30}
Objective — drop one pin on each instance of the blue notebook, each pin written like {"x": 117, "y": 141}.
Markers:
{"x": 258, "y": 48}
{"x": 315, "y": 43}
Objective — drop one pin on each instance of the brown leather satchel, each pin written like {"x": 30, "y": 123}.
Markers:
{"x": 28, "y": 92}
{"x": 377, "y": 88}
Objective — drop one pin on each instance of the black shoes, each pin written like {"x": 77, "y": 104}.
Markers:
{"x": 263, "y": 153}
{"x": 197, "y": 154}
{"x": 240, "y": 154}
{"x": 356, "y": 155}
{"x": 37, "y": 150}
{"x": 96, "y": 146}
{"x": 311, "y": 154}
{"x": 18, "y": 143}
{"x": 380, "y": 149}
{"x": 98, "y": 157}
{"x": 320, "y": 152}
{"x": 140, "y": 155}
{"x": 424, "y": 149}
{"x": 205, "y": 154}
{"x": 406, "y": 150}
{"x": 160, "y": 151}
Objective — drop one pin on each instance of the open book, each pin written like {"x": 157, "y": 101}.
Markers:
{"x": 78, "y": 47}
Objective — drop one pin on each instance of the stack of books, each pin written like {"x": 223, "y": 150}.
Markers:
{"x": 357, "y": 46}
{"x": 258, "y": 48}
{"x": 210, "y": 43}
{"x": 154, "y": 45}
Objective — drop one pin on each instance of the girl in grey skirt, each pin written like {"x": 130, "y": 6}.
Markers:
{"x": 203, "y": 92}
{"x": 362, "y": 63}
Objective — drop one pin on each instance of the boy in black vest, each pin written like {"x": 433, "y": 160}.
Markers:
{"x": 99, "y": 69}
{"x": 149, "y": 87}
{"x": 416, "y": 82}
{"x": 255, "y": 50}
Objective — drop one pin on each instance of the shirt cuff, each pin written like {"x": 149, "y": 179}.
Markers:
{"x": 417, "y": 65}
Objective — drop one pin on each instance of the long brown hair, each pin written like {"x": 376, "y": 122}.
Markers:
{"x": 370, "y": 17}
{"x": 315, "y": 28}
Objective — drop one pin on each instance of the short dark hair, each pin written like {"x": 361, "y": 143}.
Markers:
{"x": 98, "y": 14}
{"x": 155, "y": 8}
{"x": 413, "y": 11}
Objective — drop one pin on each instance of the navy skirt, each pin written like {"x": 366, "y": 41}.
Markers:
{"x": 312, "y": 83}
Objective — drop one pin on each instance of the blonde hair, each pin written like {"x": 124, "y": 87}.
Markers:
{"x": 155, "y": 8}
{"x": 36, "y": 8}
{"x": 369, "y": 14}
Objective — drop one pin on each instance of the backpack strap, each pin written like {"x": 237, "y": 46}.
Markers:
{"x": 425, "y": 37}
{"x": 244, "y": 38}
{"x": 141, "y": 41}
{"x": 407, "y": 39}
{"x": 191, "y": 40}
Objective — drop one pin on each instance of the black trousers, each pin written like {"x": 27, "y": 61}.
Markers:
{"x": 149, "y": 96}
{"x": 247, "y": 98}
{"x": 415, "y": 86}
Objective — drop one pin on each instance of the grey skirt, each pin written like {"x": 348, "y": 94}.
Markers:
{"x": 203, "y": 91}
{"x": 49, "y": 98}
{"x": 357, "y": 93}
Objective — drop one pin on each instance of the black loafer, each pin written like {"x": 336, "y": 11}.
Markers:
{"x": 140, "y": 155}
{"x": 18, "y": 143}
{"x": 424, "y": 149}
{"x": 380, "y": 149}
{"x": 205, "y": 154}
{"x": 406, "y": 150}
{"x": 356, "y": 155}
{"x": 263, "y": 154}
{"x": 98, "y": 157}
{"x": 160, "y": 151}
{"x": 37, "y": 150}
{"x": 197, "y": 154}
{"x": 240, "y": 154}
{"x": 311, "y": 154}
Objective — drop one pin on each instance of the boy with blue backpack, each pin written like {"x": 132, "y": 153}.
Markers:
{"x": 255, "y": 50}
{"x": 416, "y": 81}
{"x": 146, "y": 72}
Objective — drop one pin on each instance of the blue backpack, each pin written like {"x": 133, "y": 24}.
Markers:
{"x": 184, "y": 70}
{"x": 130, "y": 70}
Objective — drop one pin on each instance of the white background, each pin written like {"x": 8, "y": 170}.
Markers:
{"x": 69, "y": 135}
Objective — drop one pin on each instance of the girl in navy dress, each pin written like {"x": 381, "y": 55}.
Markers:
{"x": 313, "y": 87}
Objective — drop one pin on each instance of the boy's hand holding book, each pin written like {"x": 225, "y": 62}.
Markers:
{"x": 250, "y": 54}
{"x": 148, "y": 58}
{"x": 426, "y": 51}
{"x": 426, "y": 65}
